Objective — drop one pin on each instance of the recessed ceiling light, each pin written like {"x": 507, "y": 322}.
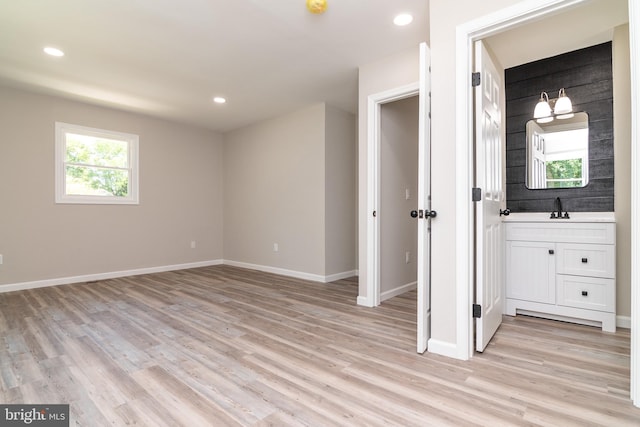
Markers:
{"x": 53, "y": 51}
{"x": 219, "y": 100}
{"x": 403, "y": 19}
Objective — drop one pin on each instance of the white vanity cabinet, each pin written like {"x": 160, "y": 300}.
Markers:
{"x": 562, "y": 270}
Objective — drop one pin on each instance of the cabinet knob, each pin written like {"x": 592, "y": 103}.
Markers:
{"x": 551, "y": 251}
{"x": 585, "y": 293}
{"x": 585, "y": 260}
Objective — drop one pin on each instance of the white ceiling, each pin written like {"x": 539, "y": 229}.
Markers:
{"x": 168, "y": 58}
{"x": 586, "y": 25}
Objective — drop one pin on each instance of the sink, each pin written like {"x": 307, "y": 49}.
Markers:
{"x": 574, "y": 217}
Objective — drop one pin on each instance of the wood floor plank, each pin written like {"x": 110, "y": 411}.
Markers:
{"x": 228, "y": 346}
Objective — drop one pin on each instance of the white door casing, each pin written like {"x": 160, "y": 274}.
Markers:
{"x": 374, "y": 102}
{"x": 485, "y": 26}
{"x": 488, "y": 167}
{"x": 424, "y": 202}
{"x": 466, "y": 34}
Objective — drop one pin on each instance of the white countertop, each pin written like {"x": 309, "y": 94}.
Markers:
{"x": 573, "y": 217}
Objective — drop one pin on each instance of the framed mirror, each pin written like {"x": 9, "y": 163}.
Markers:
{"x": 558, "y": 152}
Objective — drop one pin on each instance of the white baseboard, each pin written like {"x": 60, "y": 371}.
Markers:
{"x": 275, "y": 270}
{"x": 623, "y": 322}
{"x": 115, "y": 274}
{"x": 398, "y": 291}
{"x": 103, "y": 276}
{"x": 365, "y": 302}
{"x": 339, "y": 276}
{"x": 443, "y": 348}
{"x": 291, "y": 273}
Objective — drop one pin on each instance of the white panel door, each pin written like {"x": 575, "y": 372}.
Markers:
{"x": 489, "y": 173}
{"x": 424, "y": 201}
{"x": 536, "y": 158}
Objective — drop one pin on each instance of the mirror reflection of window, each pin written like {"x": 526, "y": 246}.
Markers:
{"x": 558, "y": 153}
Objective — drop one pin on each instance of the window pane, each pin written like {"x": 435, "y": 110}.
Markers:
{"x": 92, "y": 181}
{"x": 565, "y": 169}
{"x": 96, "y": 151}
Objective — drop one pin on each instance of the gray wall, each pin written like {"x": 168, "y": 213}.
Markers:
{"x": 398, "y": 172}
{"x": 622, "y": 147}
{"x": 340, "y": 191}
{"x": 274, "y": 192}
{"x": 586, "y": 74}
{"x": 290, "y": 180}
{"x": 180, "y": 195}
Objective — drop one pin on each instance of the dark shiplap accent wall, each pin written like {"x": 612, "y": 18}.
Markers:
{"x": 587, "y": 77}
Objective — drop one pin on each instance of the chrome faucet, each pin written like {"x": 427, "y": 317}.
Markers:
{"x": 559, "y": 213}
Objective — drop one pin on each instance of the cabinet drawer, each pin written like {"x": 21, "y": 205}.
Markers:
{"x": 586, "y": 292}
{"x": 586, "y": 260}
{"x": 562, "y": 232}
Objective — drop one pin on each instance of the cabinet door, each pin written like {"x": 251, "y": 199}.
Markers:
{"x": 531, "y": 271}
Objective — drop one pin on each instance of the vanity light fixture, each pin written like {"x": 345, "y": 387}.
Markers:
{"x": 563, "y": 104}
{"x": 562, "y": 107}
{"x": 542, "y": 112}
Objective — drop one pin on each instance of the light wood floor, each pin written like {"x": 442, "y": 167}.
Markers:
{"x": 225, "y": 346}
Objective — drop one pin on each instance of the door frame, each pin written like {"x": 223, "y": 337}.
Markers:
{"x": 374, "y": 104}
{"x": 483, "y": 27}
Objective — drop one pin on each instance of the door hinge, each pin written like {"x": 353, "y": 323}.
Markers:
{"x": 477, "y": 311}
{"x": 476, "y": 194}
{"x": 475, "y": 79}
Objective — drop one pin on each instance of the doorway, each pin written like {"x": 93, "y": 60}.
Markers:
{"x": 482, "y": 28}
{"x": 398, "y": 193}
{"x": 422, "y": 201}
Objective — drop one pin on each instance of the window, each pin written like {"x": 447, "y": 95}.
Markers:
{"x": 565, "y": 173}
{"x": 95, "y": 165}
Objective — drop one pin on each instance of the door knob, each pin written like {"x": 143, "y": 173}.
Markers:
{"x": 505, "y": 212}
{"x": 431, "y": 214}
{"x": 414, "y": 214}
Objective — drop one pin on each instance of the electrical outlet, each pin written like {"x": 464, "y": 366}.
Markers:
{"x": 193, "y": 244}
{"x": 407, "y": 257}
{"x": 1, "y": 259}
{"x": 275, "y": 247}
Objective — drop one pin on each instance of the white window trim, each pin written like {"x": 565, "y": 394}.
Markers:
{"x": 60, "y": 156}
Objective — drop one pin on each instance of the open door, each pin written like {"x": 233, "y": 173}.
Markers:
{"x": 489, "y": 231}
{"x": 424, "y": 201}
{"x": 537, "y": 172}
